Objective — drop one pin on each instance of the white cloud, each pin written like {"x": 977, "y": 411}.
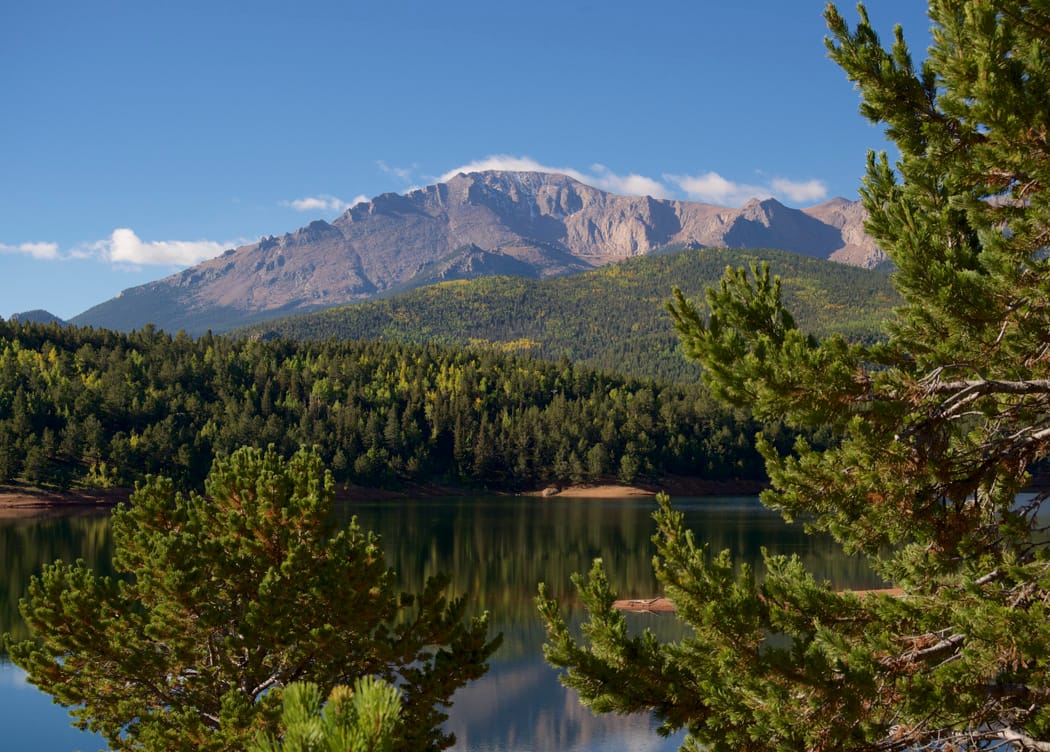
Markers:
{"x": 323, "y": 202}
{"x": 600, "y": 176}
{"x": 125, "y": 247}
{"x": 708, "y": 187}
{"x": 510, "y": 163}
{"x": 712, "y": 188}
{"x": 806, "y": 190}
{"x": 629, "y": 185}
{"x": 36, "y": 250}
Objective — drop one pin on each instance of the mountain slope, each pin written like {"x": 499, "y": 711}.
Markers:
{"x": 37, "y": 315}
{"x": 611, "y": 318}
{"x": 522, "y": 223}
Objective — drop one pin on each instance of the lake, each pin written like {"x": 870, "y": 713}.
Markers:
{"x": 496, "y": 550}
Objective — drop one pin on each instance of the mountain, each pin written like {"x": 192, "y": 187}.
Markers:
{"x": 37, "y": 316}
{"x": 847, "y": 217}
{"x": 522, "y": 223}
{"x": 611, "y": 319}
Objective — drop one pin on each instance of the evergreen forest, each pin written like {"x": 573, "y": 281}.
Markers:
{"x": 87, "y": 408}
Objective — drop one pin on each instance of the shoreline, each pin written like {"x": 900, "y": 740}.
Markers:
{"x": 26, "y": 499}
{"x": 671, "y": 485}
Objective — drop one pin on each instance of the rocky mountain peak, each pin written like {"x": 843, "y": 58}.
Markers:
{"x": 316, "y": 230}
{"x": 491, "y": 222}
{"x": 763, "y": 211}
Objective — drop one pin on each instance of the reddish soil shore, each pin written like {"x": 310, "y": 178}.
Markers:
{"x": 672, "y": 485}
{"x": 22, "y": 500}
{"x": 27, "y": 496}
{"x": 18, "y": 502}
{"x": 27, "y": 499}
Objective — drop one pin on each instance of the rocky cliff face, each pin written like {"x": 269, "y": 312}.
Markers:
{"x": 525, "y": 223}
{"x": 856, "y": 247}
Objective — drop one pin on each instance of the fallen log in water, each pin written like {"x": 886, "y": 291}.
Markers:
{"x": 656, "y": 605}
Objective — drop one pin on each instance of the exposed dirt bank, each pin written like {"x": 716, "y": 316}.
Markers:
{"x": 26, "y": 501}
{"x": 594, "y": 492}
{"x": 12, "y": 497}
{"x": 672, "y": 485}
{"x": 28, "y": 498}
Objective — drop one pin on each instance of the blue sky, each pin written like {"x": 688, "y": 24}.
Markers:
{"x": 138, "y": 138}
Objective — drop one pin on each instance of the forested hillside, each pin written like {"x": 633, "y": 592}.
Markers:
{"x": 611, "y": 319}
{"x": 96, "y": 408}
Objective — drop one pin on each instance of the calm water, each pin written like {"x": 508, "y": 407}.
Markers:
{"x": 496, "y": 550}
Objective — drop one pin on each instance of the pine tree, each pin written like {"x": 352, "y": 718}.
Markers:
{"x": 936, "y": 435}
{"x": 222, "y": 598}
{"x": 365, "y": 718}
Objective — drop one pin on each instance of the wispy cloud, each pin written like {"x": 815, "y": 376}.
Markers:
{"x": 598, "y": 176}
{"x": 323, "y": 203}
{"x": 509, "y": 163}
{"x": 807, "y": 190}
{"x": 401, "y": 173}
{"x": 36, "y": 250}
{"x": 712, "y": 188}
{"x": 709, "y": 187}
{"x": 629, "y": 185}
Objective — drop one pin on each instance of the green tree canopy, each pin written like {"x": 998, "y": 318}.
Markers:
{"x": 938, "y": 432}
{"x": 223, "y": 598}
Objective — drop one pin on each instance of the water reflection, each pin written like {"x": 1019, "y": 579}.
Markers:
{"x": 31, "y": 538}
{"x": 496, "y": 550}
{"x": 519, "y": 705}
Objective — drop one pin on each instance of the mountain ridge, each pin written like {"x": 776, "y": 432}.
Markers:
{"x": 524, "y": 223}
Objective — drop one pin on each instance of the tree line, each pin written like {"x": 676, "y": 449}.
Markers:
{"x": 81, "y": 407}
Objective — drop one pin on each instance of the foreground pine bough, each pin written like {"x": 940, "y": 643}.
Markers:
{"x": 226, "y": 598}
{"x": 937, "y": 435}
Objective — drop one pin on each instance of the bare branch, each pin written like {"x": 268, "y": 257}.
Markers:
{"x": 925, "y": 649}
{"x": 989, "y": 386}
{"x": 270, "y": 681}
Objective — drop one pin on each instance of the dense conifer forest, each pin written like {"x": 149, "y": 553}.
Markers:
{"x": 81, "y": 407}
